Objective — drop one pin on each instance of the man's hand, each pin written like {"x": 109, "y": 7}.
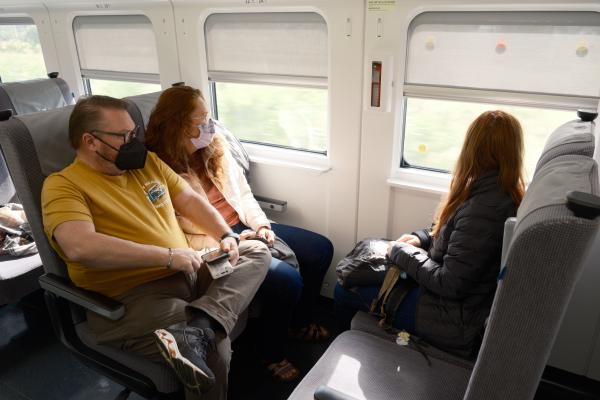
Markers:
{"x": 229, "y": 245}
{"x": 267, "y": 234}
{"x": 186, "y": 260}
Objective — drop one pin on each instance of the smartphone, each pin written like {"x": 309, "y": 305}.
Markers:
{"x": 260, "y": 239}
{"x": 217, "y": 263}
{"x": 215, "y": 255}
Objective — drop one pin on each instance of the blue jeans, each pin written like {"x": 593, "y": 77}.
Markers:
{"x": 348, "y": 302}
{"x": 288, "y": 295}
{"x": 314, "y": 253}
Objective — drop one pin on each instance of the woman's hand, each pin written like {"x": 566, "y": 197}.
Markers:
{"x": 267, "y": 234}
{"x": 247, "y": 234}
{"x": 404, "y": 239}
{"x": 410, "y": 239}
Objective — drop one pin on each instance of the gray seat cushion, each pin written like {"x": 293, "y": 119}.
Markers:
{"x": 368, "y": 323}
{"x": 19, "y": 276}
{"x": 11, "y": 267}
{"x": 364, "y": 366}
{"x": 574, "y": 137}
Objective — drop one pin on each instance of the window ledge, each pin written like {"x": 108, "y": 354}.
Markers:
{"x": 422, "y": 181}
{"x": 274, "y": 156}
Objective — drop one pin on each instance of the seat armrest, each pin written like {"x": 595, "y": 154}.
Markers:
{"x": 327, "y": 393}
{"x": 267, "y": 203}
{"x": 95, "y": 302}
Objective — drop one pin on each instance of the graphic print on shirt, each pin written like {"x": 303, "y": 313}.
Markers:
{"x": 155, "y": 192}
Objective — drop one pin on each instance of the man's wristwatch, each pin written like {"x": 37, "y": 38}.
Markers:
{"x": 231, "y": 235}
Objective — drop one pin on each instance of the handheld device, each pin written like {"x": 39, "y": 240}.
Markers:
{"x": 260, "y": 239}
{"x": 217, "y": 263}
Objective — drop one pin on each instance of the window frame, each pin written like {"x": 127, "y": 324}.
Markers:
{"x": 264, "y": 151}
{"x": 108, "y": 75}
{"x": 433, "y": 180}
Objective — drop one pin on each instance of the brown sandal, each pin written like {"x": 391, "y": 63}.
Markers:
{"x": 283, "y": 371}
{"x": 311, "y": 333}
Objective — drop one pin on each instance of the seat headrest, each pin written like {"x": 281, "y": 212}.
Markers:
{"x": 547, "y": 193}
{"x": 49, "y": 131}
{"x": 140, "y": 107}
{"x": 36, "y": 95}
{"x": 574, "y": 137}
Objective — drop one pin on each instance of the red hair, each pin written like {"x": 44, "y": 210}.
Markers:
{"x": 171, "y": 125}
{"x": 494, "y": 141}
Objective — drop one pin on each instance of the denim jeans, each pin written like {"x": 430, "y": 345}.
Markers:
{"x": 287, "y": 296}
{"x": 348, "y": 302}
{"x": 314, "y": 253}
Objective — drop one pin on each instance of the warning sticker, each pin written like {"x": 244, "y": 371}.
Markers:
{"x": 381, "y": 5}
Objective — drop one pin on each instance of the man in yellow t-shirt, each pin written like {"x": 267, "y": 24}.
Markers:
{"x": 111, "y": 216}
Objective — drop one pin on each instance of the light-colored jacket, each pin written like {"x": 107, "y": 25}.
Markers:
{"x": 237, "y": 192}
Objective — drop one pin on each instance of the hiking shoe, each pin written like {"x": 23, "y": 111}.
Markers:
{"x": 186, "y": 350}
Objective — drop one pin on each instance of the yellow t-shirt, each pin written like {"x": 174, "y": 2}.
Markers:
{"x": 135, "y": 206}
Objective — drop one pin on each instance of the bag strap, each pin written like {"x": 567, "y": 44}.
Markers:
{"x": 391, "y": 277}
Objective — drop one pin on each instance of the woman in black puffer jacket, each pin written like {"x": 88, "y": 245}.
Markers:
{"x": 453, "y": 268}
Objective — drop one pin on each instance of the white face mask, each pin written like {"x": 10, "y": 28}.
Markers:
{"x": 207, "y": 132}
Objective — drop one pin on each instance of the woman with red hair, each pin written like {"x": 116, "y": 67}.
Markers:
{"x": 183, "y": 136}
{"x": 450, "y": 271}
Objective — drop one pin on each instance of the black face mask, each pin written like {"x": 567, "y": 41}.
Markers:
{"x": 131, "y": 155}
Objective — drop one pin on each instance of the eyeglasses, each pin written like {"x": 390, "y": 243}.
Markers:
{"x": 203, "y": 119}
{"x": 127, "y": 136}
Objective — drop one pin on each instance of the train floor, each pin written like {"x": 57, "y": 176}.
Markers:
{"x": 34, "y": 365}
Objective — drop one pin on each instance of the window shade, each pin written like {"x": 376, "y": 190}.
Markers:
{"x": 16, "y": 21}
{"x": 122, "y": 43}
{"x": 539, "y": 52}
{"x": 292, "y": 44}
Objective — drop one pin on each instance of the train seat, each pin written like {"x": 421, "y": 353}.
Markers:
{"x": 34, "y": 146}
{"x": 35, "y": 95}
{"x": 19, "y": 275}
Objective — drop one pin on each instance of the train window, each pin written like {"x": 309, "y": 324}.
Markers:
{"x": 268, "y": 74}
{"x": 436, "y": 128}
{"x": 20, "y": 51}
{"x": 537, "y": 65}
{"x": 117, "y": 54}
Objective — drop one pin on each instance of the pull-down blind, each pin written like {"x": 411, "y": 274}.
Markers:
{"x": 16, "y": 21}
{"x": 537, "y": 52}
{"x": 288, "y": 44}
{"x": 116, "y": 43}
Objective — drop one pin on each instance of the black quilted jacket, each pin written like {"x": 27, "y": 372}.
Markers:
{"x": 457, "y": 271}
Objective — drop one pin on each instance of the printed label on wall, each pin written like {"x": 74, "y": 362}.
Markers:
{"x": 381, "y": 5}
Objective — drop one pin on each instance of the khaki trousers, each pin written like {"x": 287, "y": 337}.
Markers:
{"x": 167, "y": 301}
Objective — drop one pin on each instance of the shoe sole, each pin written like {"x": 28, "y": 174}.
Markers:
{"x": 190, "y": 375}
